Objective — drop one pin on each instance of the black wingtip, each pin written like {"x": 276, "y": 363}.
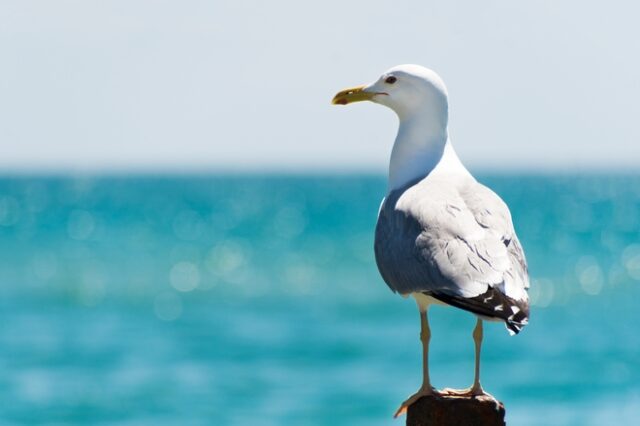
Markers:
{"x": 516, "y": 323}
{"x": 492, "y": 304}
{"x": 514, "y": 328}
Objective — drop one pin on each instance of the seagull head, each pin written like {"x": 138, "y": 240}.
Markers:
{"x": 406, "y": 89}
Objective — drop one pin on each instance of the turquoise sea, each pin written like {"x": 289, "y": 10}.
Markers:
{"x": 255, "y": 300}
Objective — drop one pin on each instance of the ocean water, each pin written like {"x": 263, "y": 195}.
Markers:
{"x": 255, "y": 300}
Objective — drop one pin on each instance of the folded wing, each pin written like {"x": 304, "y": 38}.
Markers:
{"x": 454, "y": 240}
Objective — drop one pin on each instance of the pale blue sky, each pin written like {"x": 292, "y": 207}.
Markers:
{"x": 210, "y": 85}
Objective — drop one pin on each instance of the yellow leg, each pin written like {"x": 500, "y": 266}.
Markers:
{"x": 476, "y": 388}
{"x": 425, "y": 338}
{"x": 425, "y": 389}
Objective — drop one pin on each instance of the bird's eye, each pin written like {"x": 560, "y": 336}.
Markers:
{"x": 390, "y": 80}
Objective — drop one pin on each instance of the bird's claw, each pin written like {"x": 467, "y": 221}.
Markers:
{"x": 473, "y": 391}
{"x": 413, "y": 398}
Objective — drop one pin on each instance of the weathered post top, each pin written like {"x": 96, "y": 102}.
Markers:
{"x": 452, "y": 410}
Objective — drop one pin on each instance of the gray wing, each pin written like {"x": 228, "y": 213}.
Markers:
{"x": 454, "y": 241}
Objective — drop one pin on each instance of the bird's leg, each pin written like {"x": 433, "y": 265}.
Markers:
{"x": 425, "y": 338}
{"x": 476, "y": 388}
{"x": 426, "y": 388}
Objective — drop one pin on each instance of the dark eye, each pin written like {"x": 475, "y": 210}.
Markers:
{"x": 390, "y": 80}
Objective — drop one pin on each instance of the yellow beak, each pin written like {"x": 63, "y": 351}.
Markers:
{"x": 353, "y": 94}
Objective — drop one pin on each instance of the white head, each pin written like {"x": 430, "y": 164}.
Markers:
{"x": 409, "y": 90}
{"x": 419, "y": 98}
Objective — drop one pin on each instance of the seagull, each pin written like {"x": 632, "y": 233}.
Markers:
{"x": 441, "y": 237}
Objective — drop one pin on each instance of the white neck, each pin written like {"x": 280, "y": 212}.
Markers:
{"x": 421, "y": 149}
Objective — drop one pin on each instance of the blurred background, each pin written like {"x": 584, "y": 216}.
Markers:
{"x": 186, "y": 224}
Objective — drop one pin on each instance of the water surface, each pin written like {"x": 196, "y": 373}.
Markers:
{"x": 256, "y": 300}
